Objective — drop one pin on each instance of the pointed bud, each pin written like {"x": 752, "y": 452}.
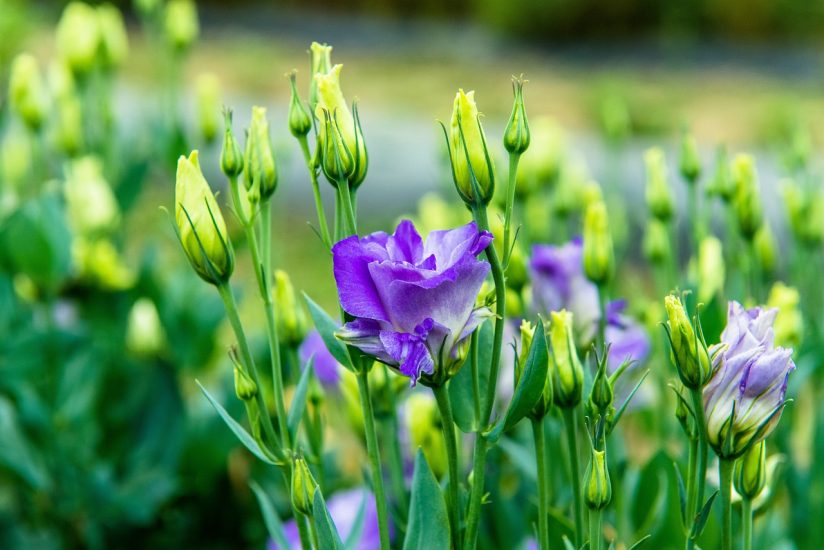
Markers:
{"x": 78, "y": 37}
{"x": 245, "y": 387}
{"x": 321, "y": 55}
{"x": 261, "y": 176}
{"x": 602, "y": 395}
{"x": 207, "y": 94}
{"x": 299, "y": 120}
{"x": 200, "y": 224}
{"x": 690, "y": 164}
{"x": 231, "y": 157}
{"x": 27, "y": 92}
{"x": 567, "y": 372}
{"x": 597, "y": 485}
{"x": 292, "y": 322}
{"x": 689, "y": 352}
{"x": 180, "y": 23}
{"x": 750, "y": 473}
{"x": 114, "y": 40}
{"x": 543, "y": 404}
{"x": 144, "y": 332}
{"x": 657, "y": 242}
{"x": 659, "y": 198}
{"x": 747, "y": 199}
{"x": 516, "y": 135}
{"x": 711, "y": 272}
{"x": 722, "y": 183}
{"x": 472, "y": 166}
{"x": 599, "y": 260}
{"x": 303, "y": 487}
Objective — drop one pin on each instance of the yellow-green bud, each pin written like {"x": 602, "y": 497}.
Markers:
{"x": 181, "y": 24}
{"x": 597, "y": 485}
{"x": 27, "y": 92}
{"x": 516, "y": 272}
{"x": 303, "y": 487}
{"x": 200, "y": 223}
{"x": 544, "y": 404}
{"x": 659, "y": 199}
{"x": 261, "y": 176}
{"x": 789, "y": 324}
{"x": 599, "y": 260}
{"x": 567, "y": 372}
{"x": 690, "y": 164}
{"x": 321, "y": 56}
{"x": 516, "y": 135}
{"x": 688, "y": 351}
{"x": 747, "y": 199}
{"x": 340, "y": 137}
{"x": 657, "y": 241}
{"x": 471, "y": 162}
{"x": 114, "y": 41}
{"x": 423, "y": 422}
{"x": 78, "y": 37}
{"x": 602, "y": 395}
{"x": 765, "y": 248}
{"x": 146, "y": 7}
{"x": 90, "y": 203}
{"x": 722, "y": 183}
{"x": 591, "y": 193}
{"x": 245, "y": 387}
{"x": 299, "y": 120}
{"x": 292, "y": 322}
{"x": 207, "y": 93}
{"x": 711, "y": 272}
{"x": 231, "y": 157}
{"x": 144, "y": 332}
{"x": 750, "y": 473}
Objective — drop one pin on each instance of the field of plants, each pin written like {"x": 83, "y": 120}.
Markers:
{"x": 246, "y": 305}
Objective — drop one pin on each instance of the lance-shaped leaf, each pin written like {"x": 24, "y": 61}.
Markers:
{"x": 299, "y": 400}
{"x": 328, "y": 537}
{"x": 326, "y": 327}
{"x": 270, "y": 516}
{"x": 428, "y": 525}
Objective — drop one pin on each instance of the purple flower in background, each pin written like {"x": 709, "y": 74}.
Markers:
{"x": 413, "y": 301}
{"x": 627, "y": 338}
{"x": 343, "y": 508}
{"x": 326, "y": 366}
{"x": 749, "y": 381}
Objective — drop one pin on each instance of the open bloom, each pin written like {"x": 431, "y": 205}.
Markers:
{"x": 413, "y": 301}
{"x": 749, "y": 380}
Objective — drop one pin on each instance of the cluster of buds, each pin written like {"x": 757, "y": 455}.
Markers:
{"x": 91, "y": 37}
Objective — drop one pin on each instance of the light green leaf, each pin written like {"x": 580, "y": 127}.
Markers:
{"x": 299, "y": 400}
{"x": 327, "y": 326}
{"x": 328, "y": 537}
{"x": 428, "y": 525}
{"x": 270, "y": 516}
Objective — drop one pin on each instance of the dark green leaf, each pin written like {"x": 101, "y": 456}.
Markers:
{"x": 328, "y": 537}
{"x": 270, "y": 516}
{"x": 327, "y": 326}
{"x": 640, "y": 542}
{"x": 682, "y": 494}
{"x": 428, "y": 525}
{"x": 701, "y": 518}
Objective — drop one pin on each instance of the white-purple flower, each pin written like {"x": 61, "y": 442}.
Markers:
{"x": 413, "y": 302}
{"x": 748, "y": 383}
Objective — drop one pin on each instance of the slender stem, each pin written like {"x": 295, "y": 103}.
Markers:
{"x": 266, "y": 238}
{"x": 691, "y": 484}
{"x": 602, "y": 319}
{"x": 452, "y": 502}
{"x": 510, "y": 201}
{"x": 473, "y": 516}
{"x": 389, "y": 420}
{"x": 543, "y": 497}
{"x": 595, "y": 536}
{"x": 306, "y": 539}
{"x": 374, "y": 456}
{"x": 575, "y": 474}
{"x": 692, "y": 212}
{"x": 476, "y": 380}
{"x": 351, "y": 226}
{"x": 725, "y": 474}
{"x": 313, "y": 175}
{"x": 314, "y": 532}
{"x": 746, "y": 522}
{"x": 701, "y": 469}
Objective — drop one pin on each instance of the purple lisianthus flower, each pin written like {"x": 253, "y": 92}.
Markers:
{"x": 749, "y": 381}
{"x": 326, "y": 366}
{"x": 413, "y": 301}
{"x": 628, "y": 340}
{"x": 343, "y": 508}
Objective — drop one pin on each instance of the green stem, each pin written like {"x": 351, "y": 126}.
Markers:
{"x": 389, "y": 421}
{"x": 266, "y": 238}
{"x": 691, "y": 484}
{"x": 313, "y": 175}
{"x": 595, "y": 537}
{"x": 746, "y": 521}
{"x": 602, "y": 319}
{"x": 725, "y": 474}
{"x": 476, "y": 379}
{"x": 543, "y": 497}
{"x": 473, "y": 516}
{"x": 306, "y": 539}
{"x": 575, "y": 475}
{"x": 351, "y": 226}
{"x": 701, "y": 468}
{"x": 510, "y": 201}
{"x": 374, "y": 456}
{"x": 452, "y": 502}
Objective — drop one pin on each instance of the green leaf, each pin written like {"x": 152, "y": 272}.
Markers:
{"x": 461, "y": 390}
{"x": 244, "y": 437}
{"x": 354, "y": 536}
{"x": 327, "y": 326}
{"x": 703, "y": 515}
{"x": 328, "y": 537}
{"x": 16, "y": 453}
{"x": 299, "y": 400}
{"x": 270, "y": 516}
{"x": 682, "y": 494}
{"x": 428, "y": 525}
{"x": 640, "y": 542}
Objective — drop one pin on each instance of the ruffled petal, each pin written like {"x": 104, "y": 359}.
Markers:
{"x": 357, "y": 292}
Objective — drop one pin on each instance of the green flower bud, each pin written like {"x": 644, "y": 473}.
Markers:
{"x": 722, "y": 183}
{"x": 516, "y": 271}
{"x": 599, "y": 261}
{"x": 659, "y": 199}
{"x": 341, "y": 138}
{"x": 516, "y": 135}
{"x": 68, "y": 129}
{"x": 690, "y": 164}
{"x": 569, "y": 193}
{"x": 765, "y": 246}
{"x": 471, "y": 162}
{"x": 601, "y": 395}
{"x": 540, "y": 166}
{"x": 146, "y": 7}
{"x": 303, "y": 487}
{"x": 789, "y": 323}
{"x": 689, "y": 352}
{"x": 597, "y": 485}
{"x": 78, "y": 37}
{"x": 299, "y": 120}
{"x": 231, "y": 157}
{"x": 795, "y": 201}
{"x": 27, "y": 92}
{"x": 181, "y": 24}
{"x": 750, "y": 474}
{"x": 747, "y": 199}
{"x": 542, "y": 407}
{"x": 260, "y": 171}
{"x": 591, "y": 193}
{"x": 200, "y": 224}
{"x": 423, "y": 422}
{"x": 567, "y": 372}
{"x": 657, "y": 242}
{"x": 144, "y": 332}
{"x": 245, "y": 387}
{"x": 711, "y": 272}
{"x": 90, "y": 203}
{"x": 207, "y": 95}
{"x": 292, "y": 322}
{"x": 114, "y": 41}
{"x": 98, "y": 262}
{"x": 321, "y": 55}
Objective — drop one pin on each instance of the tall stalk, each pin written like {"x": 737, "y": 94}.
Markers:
{"x": 453, "y": 502}
{"x": 725, "y": 466}
{"x": 746, "y": 522}
{"x": 575, "y": 474}
{"x": 510, "y": 201}
{"x": 543, "y": 497}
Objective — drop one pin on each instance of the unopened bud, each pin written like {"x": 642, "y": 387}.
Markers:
{"x": 114, "y": 41}
{"x": 722, "y": 183}
{"x": 78, "y": 37}
{"x": 292, "y": 322}
{"x": 207, "y": 93}
{"x": 711, "y": 272}
{"x": 690, "y": 164}
{"x": 657, "y": 242}
{"x": 245, "y": 387}
{"x": 261, "y": 176}
{"x": 599, "y": 260}
{"x": 597, "y": 485}
{"x": 321, "y": 56}
{"x": 659, "y": 198}
{"x": 299, "y": 120}
{"x": 472, "y": 168}
{"x": 567, "y": 372}
{"x": 789, "y": 323}
{"x": 685, "y": 417}
{"x": 765, "y": 248}
{"x": 689, "y": 352}
{"x": 602, "y": 395}
{"x": 516, "y": 135}
{"x": 750, "y": 473}
{"x": 747, "y": 199}
{"x": 144, "y": 332}
{"x": 231, "y": 157}
{"x": 303, "y": 487}
{"x": 27, "y": 92}
{"x": 181, "y": 24}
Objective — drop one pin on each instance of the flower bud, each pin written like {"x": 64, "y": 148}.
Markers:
{"x": 601, "y": 395}
{"x": 516, "y": 135}
{"x": 765, "y": 248}
{"x": 144, "y": 332}
{"x": 711, "y": 271}
{"x": 181, "y": 24}
{"x": 789, "y": 324}
{"x": 659, "y": 199}
{"x": 78, "y": 37}
{"x": 722, "y": 183}
{"x": 200, "y": 224}
{"x": 90, "y": 203}
{"x": 599, "y": 261}
{"x": 597, "y": 485}
{"x": 321, "y": 55}
{"x": 689, "y": 352}
{"x": 471, "y": 162}
{"x": 260, "y": 171}
{"x": 340, "y": 138}
{"x": 747, "y": 200}
{"x": 114, "y": 41}
{"x": 690, "y": 163}
{"x": 567, "y": 372}
{"x": 27, "y": 92}
{"x": 231, "y": 157}
{"x": 657, "y": 242}
{"x": 543, "y": 405}
{"x": 303, "y": 487}
{"x": 591, "y": 193}
{"x": 423, "y": 423}
{"x": 245, "y": 387}
{"x": 750, "y": 474}
{"x": 541, "y": 165}
{"x": 207, "y": 93}
{"x": 299, "y": 120}
{"x": 292, "y": 322}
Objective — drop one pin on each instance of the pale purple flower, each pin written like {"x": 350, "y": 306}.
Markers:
{"x": 326, "y": 366}
{"x": 749, "y": 374}
{"x": 413, "y": 301}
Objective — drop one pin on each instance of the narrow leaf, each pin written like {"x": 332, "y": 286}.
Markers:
{"x": 270, "y": 516}
{"x": 428, "y": 525}
{"x": 703, "y": 515}
{"x": 461, "y": 388}
{"x": 327, "y": 326}
{"x": 354, "y": 536}
{"x": 640, "y": 542}
{"x": 299, "y": 400}
{"x": 682, "y": 495}
{"x": 328, "y": 537}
